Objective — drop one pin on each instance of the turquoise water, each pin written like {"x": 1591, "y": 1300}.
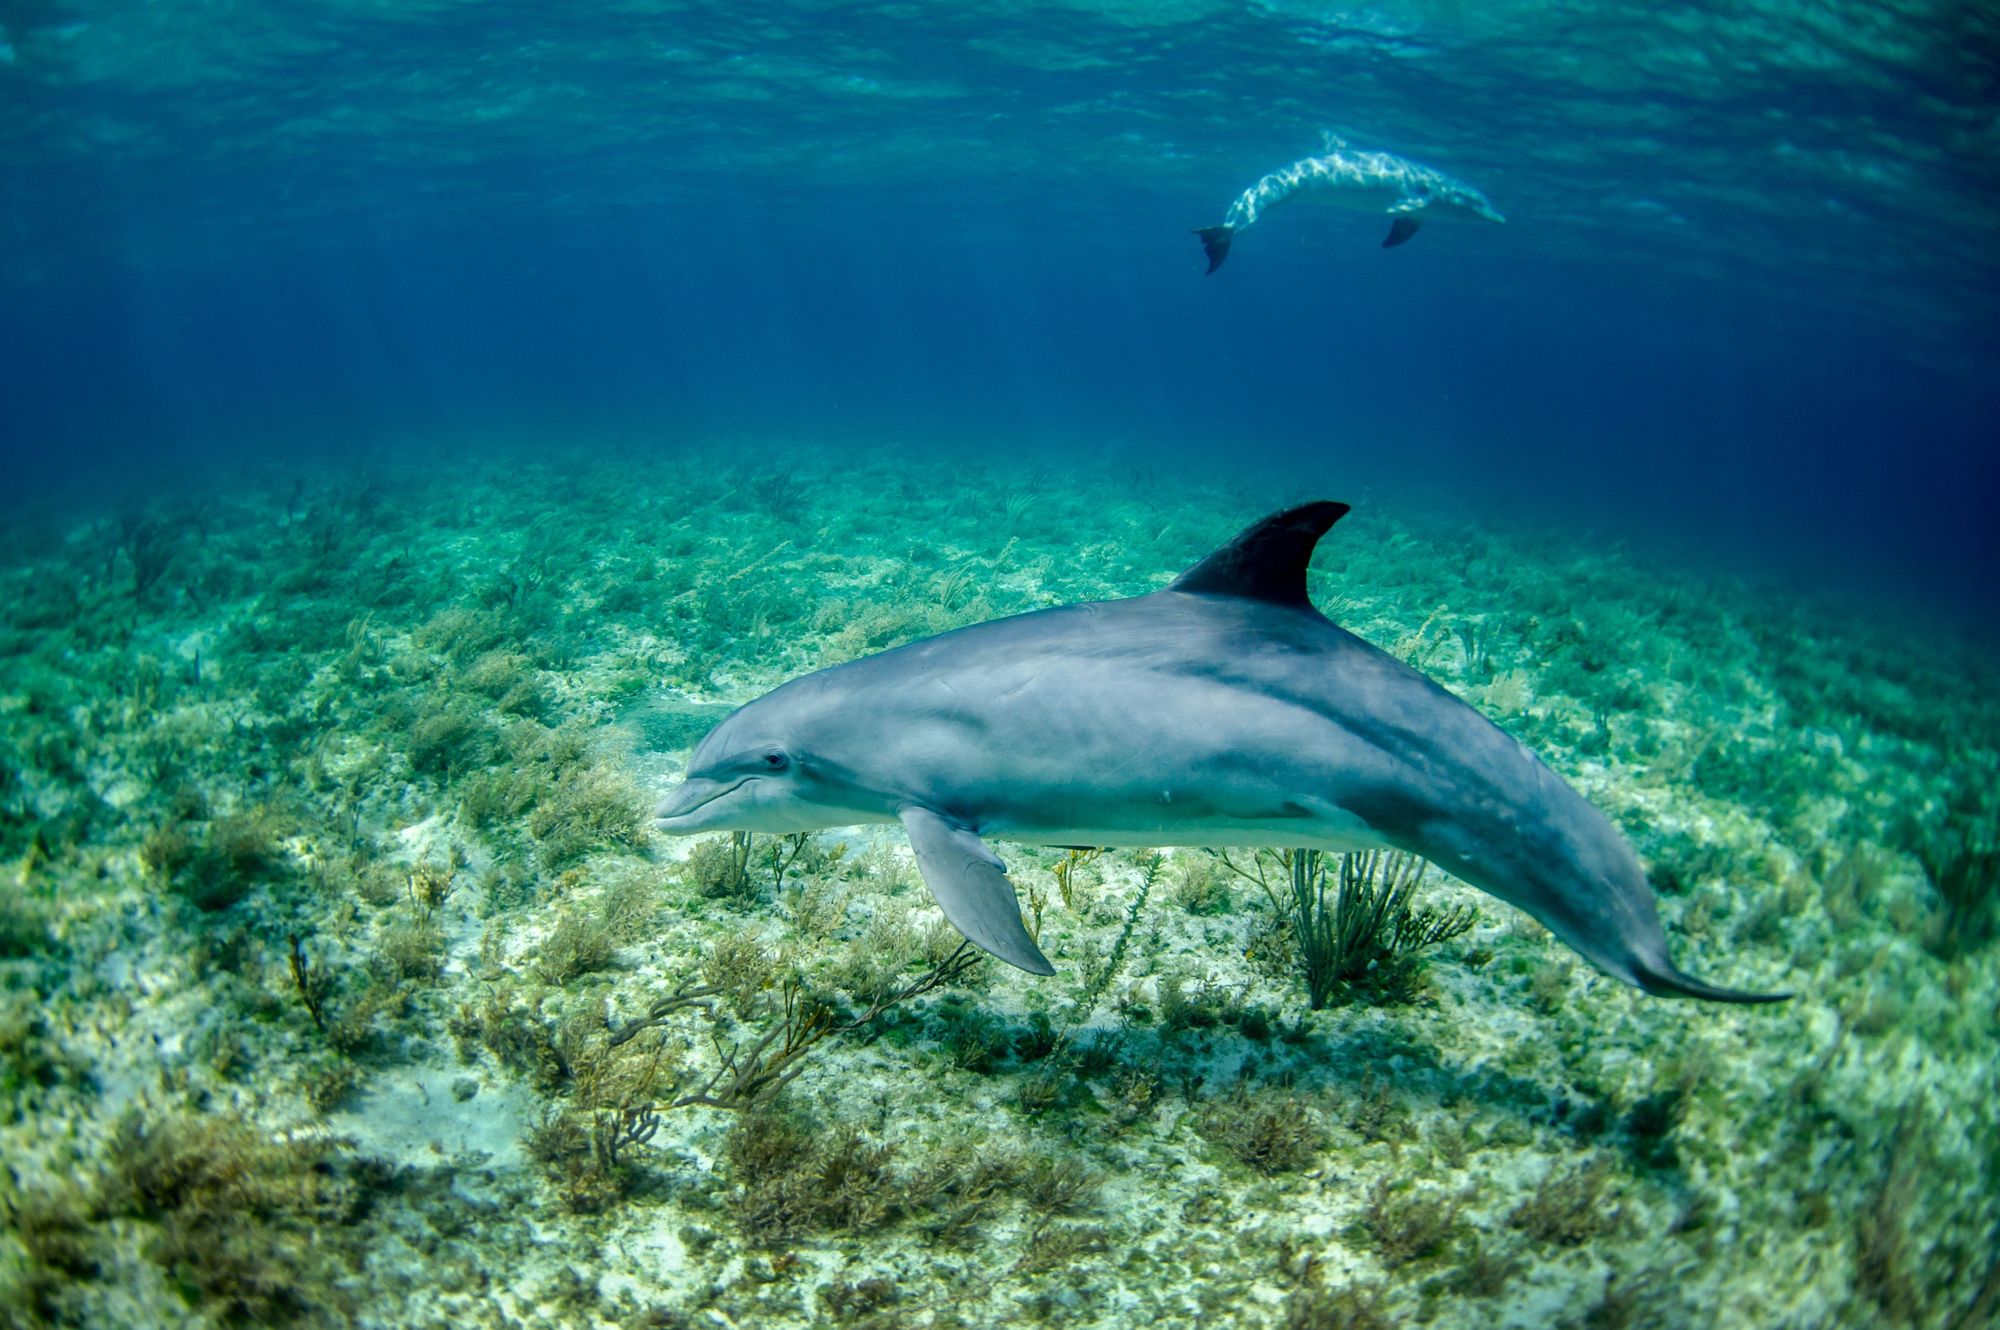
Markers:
{"x": 1745, "y": 295}
{"x": 423, "y": 422}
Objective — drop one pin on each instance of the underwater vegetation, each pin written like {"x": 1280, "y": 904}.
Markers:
{"x": 342, "y": 982}
{"x": 1357, "y": 929}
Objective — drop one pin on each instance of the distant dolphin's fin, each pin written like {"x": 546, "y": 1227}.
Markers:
{"x": 1215, "y": 244}
{"x": 1402, "y": 229}
{"x": 1268, "y": 561}
{"x": 1668, "y": 980}
{"x": 971, "y": 887}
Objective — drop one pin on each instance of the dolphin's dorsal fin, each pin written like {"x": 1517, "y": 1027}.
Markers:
{"x": 1268, "y": 561}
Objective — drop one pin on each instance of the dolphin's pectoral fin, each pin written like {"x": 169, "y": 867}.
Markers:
{"x": 972, "y": 889}
{"x": 1267, "y": 561}
{"x": 1402, "y": 229}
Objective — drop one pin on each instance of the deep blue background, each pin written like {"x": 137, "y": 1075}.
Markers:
{"x": 1746, "y": 308}
{"x": 1577, "y": 390}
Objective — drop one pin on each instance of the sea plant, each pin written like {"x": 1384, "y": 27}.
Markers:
{"x": 1475, "y": 636}
{"x": 1377, "y": 1113}
{"x": 61, "y": 1249}
{"x": 24, "y": 925}
{"x": 782, "y": 852}
{"x": 1403, "y": 1224}
{"x": 246, "y": 1223}
{"x": 1044, "y": 1089}
{"x": 1568, "y": 1207}
{"x": 791, "y": 1179}
{"x": 791, "y": 1176}
{"x": 1065, "y": 874}
{"x": 1357, "y": 929}
{"x": 1352, "y": 1307}
{"x": 216, "y": 870}
{"x": 587, "y": 935}
{"x": 1963, "y": 865}
{"x": 1272, "y": 1131}
{"x": 1481, "y": 1270}
{"x": 1199, "y": 888}
{"x": 752, "y": 1071}
{"x": 587, "y": 810}
{"x": 412, "y": 948}
{"x": 149, "y": 545}
{"x": 970, "y": 1037}
{"x": 1150, "y": 864}
{"x": 720, "y": 869}
{"x": 1654, "y": 1121}
{"x": 448, "y": 739}
{"x": 1883, "y": 1258}
{"x": 579, "y": 944}
{"x": 739, "y": 968}
{"x": 587, "y": 1143}
{"x": 30, "y": 1060}
{"x": 310, "y": 982}
{"x": 622, "y": 1080}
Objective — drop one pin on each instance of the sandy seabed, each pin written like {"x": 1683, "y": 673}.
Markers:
{"x": 342, "y": 980}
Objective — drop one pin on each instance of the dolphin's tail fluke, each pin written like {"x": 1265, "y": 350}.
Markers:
{"x": 1668, "y": 980}
{"x": 1215, "y": 243}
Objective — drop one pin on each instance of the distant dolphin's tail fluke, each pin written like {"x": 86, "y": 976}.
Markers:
{"x": 1668, "y": 980}
{"x": 1215, "y": 243}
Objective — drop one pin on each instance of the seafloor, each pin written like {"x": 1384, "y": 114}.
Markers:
{"x": 344, "y": 982}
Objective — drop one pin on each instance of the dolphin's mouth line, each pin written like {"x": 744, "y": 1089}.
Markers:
{"x": 731, "y": 788}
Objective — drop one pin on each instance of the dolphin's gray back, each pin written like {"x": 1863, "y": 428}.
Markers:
{"x": 1373, "y": 180}
{"x": 1234, "y": 720}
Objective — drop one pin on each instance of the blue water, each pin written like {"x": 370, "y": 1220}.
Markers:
{"x": 1744, "y": 306}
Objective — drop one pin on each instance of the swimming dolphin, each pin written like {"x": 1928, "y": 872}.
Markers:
{"x": 1222, "y": 710}
{"x": 1408, "y": 191}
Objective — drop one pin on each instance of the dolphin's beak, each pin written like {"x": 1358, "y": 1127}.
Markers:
{"x": 687, "y": 809}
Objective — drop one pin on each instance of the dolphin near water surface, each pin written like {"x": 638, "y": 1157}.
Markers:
{"x": 1223, "y": 710}
{"x": 1409, "y": 192}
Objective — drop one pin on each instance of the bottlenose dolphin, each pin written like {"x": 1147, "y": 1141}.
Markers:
{"x": 1222, "y": 710}
{"x": 1408, "y": 191}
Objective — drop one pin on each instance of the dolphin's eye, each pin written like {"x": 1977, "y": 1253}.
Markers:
{"x": 775, "y": 760}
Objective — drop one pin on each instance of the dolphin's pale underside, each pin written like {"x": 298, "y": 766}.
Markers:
{"x": 1223, "y": 710}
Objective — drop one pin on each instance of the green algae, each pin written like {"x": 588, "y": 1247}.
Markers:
{"x": 417, "y": 730}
